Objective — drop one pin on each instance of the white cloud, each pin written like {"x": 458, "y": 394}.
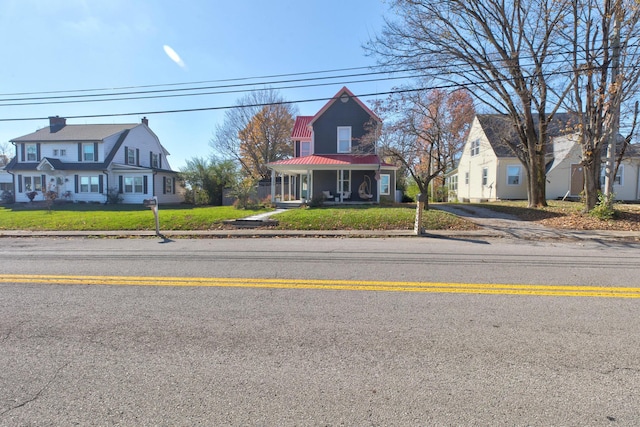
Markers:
{"x": 173, "y": 56}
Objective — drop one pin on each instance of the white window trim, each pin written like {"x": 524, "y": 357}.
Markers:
{"x": 475, "y": 147}
{"x": 619, "y": 175}
{"x": 133, "y": 154}
{"x": 35, "y": 152}
{"x": 84, "y": 152}
{"x": 133, "y": 184}
{"x": 302, "y": 152}
{"x": 519, "y": 175}
{"x": 388, "y": 192}
{"x": 338, "y": 139}
{"x": 346, "y": 175}
{"x": 89, "y": 184}
{"x": 32, "y": 186}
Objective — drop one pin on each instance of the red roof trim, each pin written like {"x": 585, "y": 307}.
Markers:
{"x": 336, "y": 97}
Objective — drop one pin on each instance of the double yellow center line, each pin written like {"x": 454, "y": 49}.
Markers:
{"x": 345, "y": 285}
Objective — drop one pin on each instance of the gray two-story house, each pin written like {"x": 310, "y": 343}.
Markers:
{"x": 335, "y": 156}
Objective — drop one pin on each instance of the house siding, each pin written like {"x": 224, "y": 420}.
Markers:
{"x": 67, "y": 170}
{"x": 474, "y": 190}
{"x": 325, "y": 128}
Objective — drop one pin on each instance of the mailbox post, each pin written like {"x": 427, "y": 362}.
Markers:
{"x": 153, "y": 204}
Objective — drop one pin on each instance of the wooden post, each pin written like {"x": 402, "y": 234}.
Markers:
{"x": 417, "y": 227}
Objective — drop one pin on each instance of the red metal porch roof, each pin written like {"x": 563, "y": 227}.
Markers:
{"x": 333, "y": 160}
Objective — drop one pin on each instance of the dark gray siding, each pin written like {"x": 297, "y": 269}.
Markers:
{"x": 324, "y": 181}
{"x": 340, "y": 113}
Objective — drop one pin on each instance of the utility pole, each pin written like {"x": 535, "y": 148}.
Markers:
{"x": 616, "y": 96}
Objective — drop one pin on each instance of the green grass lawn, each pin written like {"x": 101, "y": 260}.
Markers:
{"x": 367, "y": 218}
{"x": 90, "y": 217}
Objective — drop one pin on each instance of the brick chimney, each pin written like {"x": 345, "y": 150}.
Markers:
{"x": 56, "y": 123}
{"x": 145, "y": 121}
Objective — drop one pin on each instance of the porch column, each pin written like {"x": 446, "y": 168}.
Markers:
{"x": 340, "y": 184}
{"x": 309, "y": 185}
{"x": 273, "y": 186}
{"x": 282, "y": 175}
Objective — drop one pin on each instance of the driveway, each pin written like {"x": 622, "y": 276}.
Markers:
{"x": 507, "y": 225}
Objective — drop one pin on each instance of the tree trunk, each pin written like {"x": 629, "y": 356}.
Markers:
{"x": 591, "y": 166}
{"x": 538, "y": 183}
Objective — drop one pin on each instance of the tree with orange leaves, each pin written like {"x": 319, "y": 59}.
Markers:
{"x": 424, "y": 133}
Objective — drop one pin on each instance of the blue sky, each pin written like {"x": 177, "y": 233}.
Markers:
{"x": 94, "y": 44}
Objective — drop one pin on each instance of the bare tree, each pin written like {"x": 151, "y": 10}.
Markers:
{"x": 256, "y": 132}
{"x": 425, "y": 132}
{"x": 499, "y": 50}
{"x": 605, "y": 40}
{"x": 4, "y": 153}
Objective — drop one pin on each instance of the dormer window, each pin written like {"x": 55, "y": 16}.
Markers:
{"x": 131, "y": 156}
{"x": 32, "y": 152}
{"x": 344, "y": 139}
{"x": 88, "y": 152}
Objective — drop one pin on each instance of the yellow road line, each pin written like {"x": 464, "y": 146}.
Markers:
{"x": 352, "y": 285}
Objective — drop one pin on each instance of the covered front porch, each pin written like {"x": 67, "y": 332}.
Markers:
{"x": 334, "y": 179}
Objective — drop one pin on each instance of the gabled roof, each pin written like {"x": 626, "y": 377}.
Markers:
{"x": 499, "y": 128}
{"x": 301, "y": 129}
{"x": 337, "y": 96}
{"x": 96, "y": 132}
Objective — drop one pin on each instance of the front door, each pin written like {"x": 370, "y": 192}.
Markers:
{"x": 577, "y": 179}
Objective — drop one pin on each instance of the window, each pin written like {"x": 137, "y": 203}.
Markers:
{"x": 155, "y": 163}
{"x": 32, "y": 183}
{"x": 88, "y": 152}
{"x": 385, "y": 184}
{"x": 485, "y": 176}
{"x": 131, "y": 156}
{"x": 344, "y": 181}
{"x": 344, "y": 139}
{"x": 513, "y": 175}
{"x": 619, "y": 174}
{"x": 305, "y": 148}
{"x": 89, "y": 184}
{"x": 466, "y": 178}
{"x": 475, "y": 147}
{"x": 133, "y": 184}
{"x": 55, "y": 152}
{"x": 32, "y": 153}
{"x": 168, "y": 186}
{"x": 452, "y": 183}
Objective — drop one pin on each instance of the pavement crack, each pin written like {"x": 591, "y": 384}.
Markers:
{"x": 38, "y": 393}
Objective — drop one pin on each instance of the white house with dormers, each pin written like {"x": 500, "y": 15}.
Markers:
{"x": 84, "y": 163}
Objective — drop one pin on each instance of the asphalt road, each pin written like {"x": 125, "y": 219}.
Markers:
{"x": 120, "y": 354}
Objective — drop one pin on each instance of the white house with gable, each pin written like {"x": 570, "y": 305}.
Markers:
{"x": 86, "y": 163}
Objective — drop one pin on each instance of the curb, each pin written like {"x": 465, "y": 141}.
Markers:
{"x": 575, "y": 235}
